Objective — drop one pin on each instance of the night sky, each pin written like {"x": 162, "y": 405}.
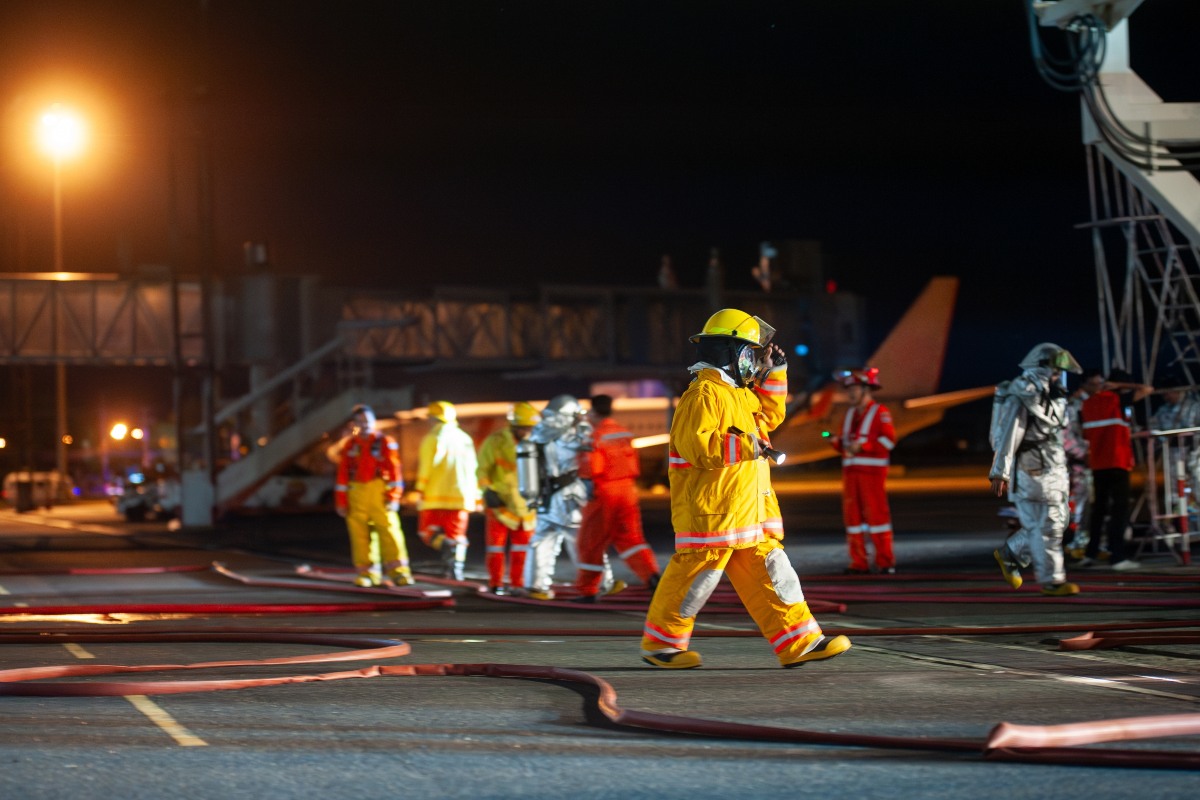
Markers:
{"x": 402, "y": 144}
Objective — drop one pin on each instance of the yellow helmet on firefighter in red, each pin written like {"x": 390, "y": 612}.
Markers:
{"x": 443, "y": 411}
{"x": 523, "y": 415}
{"x": 868, "y": 377}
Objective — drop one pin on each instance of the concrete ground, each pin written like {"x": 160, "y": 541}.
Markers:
{"x": 943, "y": 652}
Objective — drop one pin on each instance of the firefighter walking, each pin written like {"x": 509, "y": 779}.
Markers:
{"x": 612, "y": 516}
{"x": 448, "y": 488}
{"x": 367, "y": 494}
{"x": 720, "y": 482}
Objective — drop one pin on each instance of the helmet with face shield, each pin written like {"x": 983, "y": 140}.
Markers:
{"x": 732, "y": 340}
{"x": 1048, "y": 355}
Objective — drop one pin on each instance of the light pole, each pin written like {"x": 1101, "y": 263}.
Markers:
{"x": 61, "y": 134}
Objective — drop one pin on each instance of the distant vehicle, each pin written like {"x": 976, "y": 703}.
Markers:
{"x": 26, "y": 490}
{"x": 143, "y": 499}
{"x": 294, "y": 489}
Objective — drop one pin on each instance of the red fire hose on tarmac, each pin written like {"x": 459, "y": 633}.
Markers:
{"x": 1058, "y": 744}
{"x": 1007, "y": 742}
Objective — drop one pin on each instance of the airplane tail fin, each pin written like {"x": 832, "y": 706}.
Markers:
{"x": 910, "y": 358}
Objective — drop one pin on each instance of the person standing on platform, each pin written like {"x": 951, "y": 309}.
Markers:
{"x": 1029, "y": 415}
{"x": 612, "y": 516}
{"x": 448, "y": 488}
{"x": 719, "y": 484}
{"x": 866, "y": 444}
{"x": 509, "y": 518}
{"x": 367, "y": 495}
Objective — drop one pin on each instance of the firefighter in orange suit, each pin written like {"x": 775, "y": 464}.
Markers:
{"x": 866, "y": 444}
{"x": 720, "y": 484}
{"x": 448, "y": 487}
{"x": 612, "y": 516}
{"x": 369, "y": 485}
{"x": 509, "y": 519}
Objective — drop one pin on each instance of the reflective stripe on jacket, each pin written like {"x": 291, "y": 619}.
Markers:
{"x": 612, "y": 457}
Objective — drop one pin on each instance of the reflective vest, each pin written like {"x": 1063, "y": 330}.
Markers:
{"x": 366, "y": 457}
{"x": 871, "y": 427}
{"x": 1106, "y": 427}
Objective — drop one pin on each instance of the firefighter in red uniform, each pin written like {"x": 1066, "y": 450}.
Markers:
{"x": 866, "y": 444}
{"x": 369, "y": 485}
{"x": 612, "y": 516}
{"x": 1105, "y": 421}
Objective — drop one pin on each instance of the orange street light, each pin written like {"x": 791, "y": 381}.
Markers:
{"x": 119, "y": 431}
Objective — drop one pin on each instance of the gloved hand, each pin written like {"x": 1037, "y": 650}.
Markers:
{"x": 491, "y": 499}
{"x": 753, "y": 446}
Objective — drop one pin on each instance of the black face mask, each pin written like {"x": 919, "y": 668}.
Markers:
{"x": 736, "y": 357}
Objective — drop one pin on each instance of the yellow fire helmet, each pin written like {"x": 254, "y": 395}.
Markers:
{"x": 523, "y": 415}
{"x": 442, "y": 411}
{"x": 735, "y": 324}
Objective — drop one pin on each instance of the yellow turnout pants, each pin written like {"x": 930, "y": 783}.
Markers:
{"x": 366, "y": 509}
{"x": 765, "y": 582}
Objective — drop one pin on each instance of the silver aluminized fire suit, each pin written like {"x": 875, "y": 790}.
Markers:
{"x": 562, "y": 435}
{"x": 1028, "y": 419}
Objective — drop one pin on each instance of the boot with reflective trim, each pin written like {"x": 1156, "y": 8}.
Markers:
{"x": 673, "y": 659}
{"x": 826, "y": 648}
{"x": 1060, "y": 589}
{"x": 1008, "y": 570}
{"x": 364, "y": 580}
{"x": 402, "y": 577}
{"x": 540, "y": 594}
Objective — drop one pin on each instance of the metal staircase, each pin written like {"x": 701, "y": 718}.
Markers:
{"x": 309, "y": 402}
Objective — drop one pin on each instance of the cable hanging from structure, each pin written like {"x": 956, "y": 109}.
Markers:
{"x": 1079, "y": 71}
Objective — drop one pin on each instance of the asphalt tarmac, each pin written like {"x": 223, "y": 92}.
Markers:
{"x": 943, "y": 653}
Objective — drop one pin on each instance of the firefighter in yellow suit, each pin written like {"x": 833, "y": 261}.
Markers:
{"x": 369, "y": 485}
{"x": 508, "y": 519}
{"x": 722, "y": 504}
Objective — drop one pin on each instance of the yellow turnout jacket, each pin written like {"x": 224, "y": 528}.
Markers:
{"x": 719, "y": 482}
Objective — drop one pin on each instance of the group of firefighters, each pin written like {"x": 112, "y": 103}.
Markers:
{"x": 550, "y": 478}
{"x": 558, "y": 477}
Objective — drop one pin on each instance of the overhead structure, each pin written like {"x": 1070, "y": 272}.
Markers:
{"x": 1143, "y": 158}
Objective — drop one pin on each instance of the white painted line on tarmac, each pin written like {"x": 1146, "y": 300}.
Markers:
{"x": 162, "y": 719}
{"x": 4, "y": 591}
{"x": 77, "y": 651}
{"x": 154, "y": 712}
